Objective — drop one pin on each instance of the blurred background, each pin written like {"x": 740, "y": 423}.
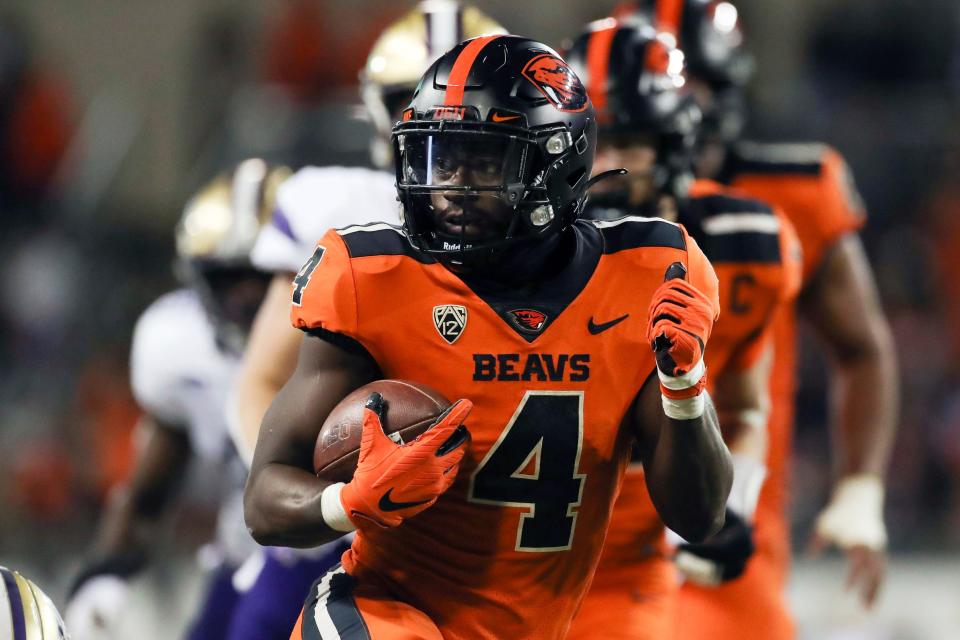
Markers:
{"x": 112, "y": 112}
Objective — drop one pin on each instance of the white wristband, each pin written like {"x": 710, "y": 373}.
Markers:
{"x": 854, "y": 516}
{"x": 331, "y": 508}
{"x": 687, "y": 380}
{"x": 748, "y": 477}
{"x": 687, "y": 409}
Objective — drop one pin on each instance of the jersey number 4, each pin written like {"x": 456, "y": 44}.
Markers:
{"x": 534, "y": 465}
{"x": 302, "y": 279}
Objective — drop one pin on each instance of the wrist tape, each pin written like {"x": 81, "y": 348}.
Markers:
{"x": 331, "y": 508}
{"x": 683, "y": 396}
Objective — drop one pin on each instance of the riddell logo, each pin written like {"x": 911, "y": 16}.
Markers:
{"x": 529, "y": 320}
{"x": 557, "y": 82}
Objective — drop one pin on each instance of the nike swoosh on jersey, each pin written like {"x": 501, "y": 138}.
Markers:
{"x": 387, "y": 505}
{"x": 603, "y": 326}
{"x": 499, "y": 118}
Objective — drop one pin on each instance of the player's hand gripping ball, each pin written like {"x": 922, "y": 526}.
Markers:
{"x": 411, "y": 408}
{"x": 393, "y": 482}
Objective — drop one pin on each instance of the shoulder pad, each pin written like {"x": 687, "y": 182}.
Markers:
{"x": 379, "y": 239}
{"x": 734, "y": 229}
{"x": 776, "y": 158}
{"x": 170, "y": 339}
{"x": 634, "y": 232}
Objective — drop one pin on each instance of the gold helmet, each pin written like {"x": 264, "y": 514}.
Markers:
{"x": 214, "y": 238}
{"x": 404, "y": 51}
{"x": 221, "y": 222}
{"x": 26, "y": 613}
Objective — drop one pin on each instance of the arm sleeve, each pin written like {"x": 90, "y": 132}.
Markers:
{"x": 324, "y": 296}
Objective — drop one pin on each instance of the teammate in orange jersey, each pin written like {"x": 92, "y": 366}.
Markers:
{"x": 649, "y": 125}
{"x": 492, "y": 290}
{"x": 813, "y": 186}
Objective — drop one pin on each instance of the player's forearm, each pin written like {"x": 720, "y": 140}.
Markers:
{"x": 865, "y": 403}
{"x": 690, "y": 475}
{"x": 268, "y": 362}
{"x": 253, "y": 398}
{"x": 123, "y": 533}
{"x": 741, "y": 398}
{"x": 133, "y": 509}
{"x": 283, "y": 507}
{"x": 843, "y": 306}
{"x": 745, "y": 432}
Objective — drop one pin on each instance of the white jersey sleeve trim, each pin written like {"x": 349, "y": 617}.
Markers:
{"x": 727, "y": 223}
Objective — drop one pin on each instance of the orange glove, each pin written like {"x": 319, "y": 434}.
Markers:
{"x": 393, "y": 481}
{"x": 679, "y": 323}
{"x": 680, "y": 320}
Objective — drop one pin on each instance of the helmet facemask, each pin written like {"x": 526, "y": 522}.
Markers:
{"x": 215, "y": 237}
{"x": 231, "y": 295}
{"x": 472, "y": 190}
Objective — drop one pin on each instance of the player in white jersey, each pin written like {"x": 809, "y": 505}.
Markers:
{"x": 315, "y": 199}
{"x": 185, "y": 355}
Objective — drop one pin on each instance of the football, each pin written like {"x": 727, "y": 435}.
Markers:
{"x": 409, "y": 409}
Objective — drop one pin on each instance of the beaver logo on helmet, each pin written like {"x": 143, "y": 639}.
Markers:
{"x": 557, "y": 82}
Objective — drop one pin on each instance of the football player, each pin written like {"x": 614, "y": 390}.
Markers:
{"x": 185, "y": 354}
{"x": 492, "y": 290}
{"x": 310, "y": 202}
{"x": 648, "y": 125}
{"x": 813, "y": 186}
{"x": 319, "y": 198}
{"x": 26, "y": 613}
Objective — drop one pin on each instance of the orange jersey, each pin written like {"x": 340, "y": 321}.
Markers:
{"x": 753, "y": 249}
{"x": 508, "y": 551}
{"x": 813, "y": 186}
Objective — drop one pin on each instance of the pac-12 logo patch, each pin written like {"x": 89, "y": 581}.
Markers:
{"x": 450, "y": 320}
{"x": 557, "y": 82}
{"x": 529, "y": 320}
